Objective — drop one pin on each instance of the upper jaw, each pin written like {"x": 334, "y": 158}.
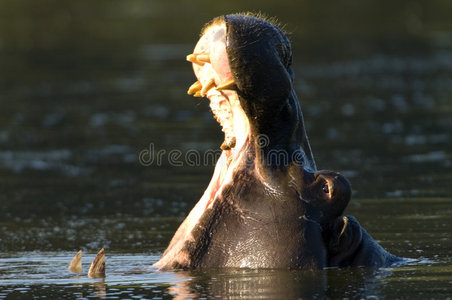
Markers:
{"x": 211, "y": 67}
{"x": 210, "y": 61}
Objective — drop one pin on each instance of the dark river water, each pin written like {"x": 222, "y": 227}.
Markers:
{"x": 88, "y": 89}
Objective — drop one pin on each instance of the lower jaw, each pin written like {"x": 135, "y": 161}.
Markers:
{"x": 234, "y": 124}
{"x": 228, "y": 163}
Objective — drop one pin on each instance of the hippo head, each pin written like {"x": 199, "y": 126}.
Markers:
{"x": 266, "y": 205}
{"x": 243, "y": 66}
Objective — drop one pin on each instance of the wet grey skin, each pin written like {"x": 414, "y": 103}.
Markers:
{"x": 278, "y": 211}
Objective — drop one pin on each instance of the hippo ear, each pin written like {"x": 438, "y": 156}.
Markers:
{"x": 337, "y": 232}
{"x": 346, "y": 236}
{"x": 76, "y": 264}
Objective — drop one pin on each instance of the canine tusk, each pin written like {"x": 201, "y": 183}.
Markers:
{"x": 228, "y": 85}
{"x": 193, "y": 59}
{"x": 195, "y": 87}
{"x": 210, "y": 84}
{"x": 205, "y": 58}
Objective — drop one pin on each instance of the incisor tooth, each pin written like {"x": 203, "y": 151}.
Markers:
{"x": 228, "y": 85}
{"x": 210, "y": 84}
{"x": 203, "y": 58}
{"x": 197, "y": 94}
{"x": 191, "y": 57}
{"x": 194, "y": 59}
{"x": 195, "y": 87}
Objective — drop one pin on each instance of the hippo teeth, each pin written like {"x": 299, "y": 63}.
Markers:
{"x": 228, "y": 85}
{"x": 219, "y": 103}
{"x": 222, "y": 113}
{"x": 197, "y": 89}
{"x": 194, "y": 88}
{"x": 199, "y": 58}
{"x": 206, "y": 87}
{"x": 205, "y": 58}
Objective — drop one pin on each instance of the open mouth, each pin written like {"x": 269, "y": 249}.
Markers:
{"x": 215, "y": 82}
{"x": 223, "y": 114}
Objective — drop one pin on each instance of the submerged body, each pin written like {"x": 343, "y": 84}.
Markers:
{"x": 267, "y": 206}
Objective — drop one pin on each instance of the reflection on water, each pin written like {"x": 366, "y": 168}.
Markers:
{"x": 85, "y": 87}
{"x": 45, "y": 274}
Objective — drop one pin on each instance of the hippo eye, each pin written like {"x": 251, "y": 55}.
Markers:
{"x": 325, "y": 188}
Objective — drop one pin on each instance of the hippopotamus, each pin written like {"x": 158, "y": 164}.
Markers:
{"x": 267, "y": 205}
